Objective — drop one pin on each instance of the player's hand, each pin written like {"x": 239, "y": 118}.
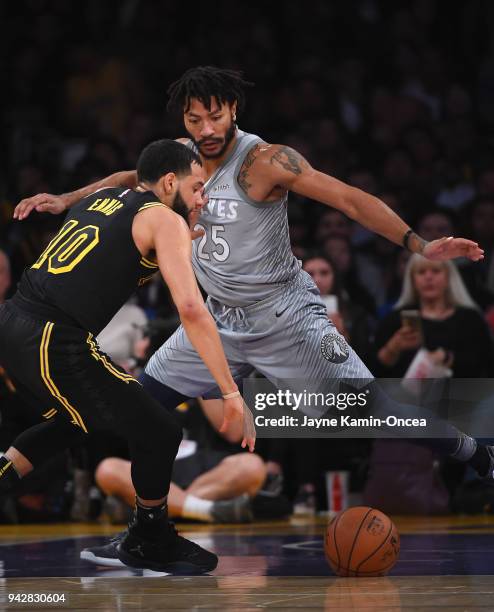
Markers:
{"x": 43, "y": 202}
{"x": 249, "y": 439}
{"x": 450, "y": 248}
{"x": 235, "y": 409}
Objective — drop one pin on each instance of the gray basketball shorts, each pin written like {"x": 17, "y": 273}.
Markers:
{"x": 286, "y": 336}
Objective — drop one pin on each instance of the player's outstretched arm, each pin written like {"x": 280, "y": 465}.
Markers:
{"x": 169, "y": 236}
{"x": 56, "y": 204}
{"x": 282, "y": 166}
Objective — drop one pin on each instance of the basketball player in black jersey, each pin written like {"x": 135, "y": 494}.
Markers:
{"x": 111, "y": 242}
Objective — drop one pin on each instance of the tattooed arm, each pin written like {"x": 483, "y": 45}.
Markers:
{"x": 281, "y": 167}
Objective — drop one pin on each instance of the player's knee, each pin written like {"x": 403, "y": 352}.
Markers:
{"x": 162, "y": 429}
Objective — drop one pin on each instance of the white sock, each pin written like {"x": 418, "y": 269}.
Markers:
{"x": 197, "y": 508}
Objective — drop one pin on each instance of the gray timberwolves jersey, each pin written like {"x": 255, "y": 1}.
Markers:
{"x": 245, "y": 254}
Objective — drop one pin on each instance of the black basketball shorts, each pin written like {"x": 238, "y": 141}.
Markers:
{"x": 60, "y": 369}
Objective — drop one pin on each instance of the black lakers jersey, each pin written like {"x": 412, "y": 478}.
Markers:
{"x": 92, "y": 266}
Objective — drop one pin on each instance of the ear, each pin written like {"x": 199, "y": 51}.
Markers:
{"x": 233, "y": 108}
{"x": 168, "y": 182}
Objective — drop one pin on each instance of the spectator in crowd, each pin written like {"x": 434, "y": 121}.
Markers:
{"x": 339, "y": 250}
{"x": 453, "y": 330}
{"x": 332, "y": 223}
{"x": 456, "y": 190}
{"x": 480, "y": 279}
{"x": 435, "y": 224}
{"x": 454, "y": 340}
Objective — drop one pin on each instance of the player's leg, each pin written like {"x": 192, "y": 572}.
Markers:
{"x": 39, "y": 443}
{"x": 51, "y": 436}
{"x": 113, "y": 477}
{"x": 101, "y": 396}
{"x": 303, "y": 344}
{"x": 177, "y": 366}
{"x": 22, "y": 352}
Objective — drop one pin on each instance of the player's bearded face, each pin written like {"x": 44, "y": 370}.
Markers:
{"x": 213, "y": 146}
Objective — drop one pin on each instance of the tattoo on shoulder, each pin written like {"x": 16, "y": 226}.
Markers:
{"x": 243, "y": 175}
{"x": 289, "y": 160}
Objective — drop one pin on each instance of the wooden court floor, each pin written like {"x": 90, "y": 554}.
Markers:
{"x": 445, "y": 563}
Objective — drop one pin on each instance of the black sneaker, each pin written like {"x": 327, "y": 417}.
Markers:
{"x": 235, "y": 510}
{"x": 106, "y": 554}
{"x": 167, "y": 552}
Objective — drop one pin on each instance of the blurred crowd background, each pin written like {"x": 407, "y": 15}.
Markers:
{"x": 396, "y": 98}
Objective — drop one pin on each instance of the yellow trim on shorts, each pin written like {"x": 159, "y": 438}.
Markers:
{"x": 109, "y": 366}
{"x": 51, "y": 413}
{"x": 147, "y": 263}
{"x": 45, "y": 375}
{"x": 151, "y": 205}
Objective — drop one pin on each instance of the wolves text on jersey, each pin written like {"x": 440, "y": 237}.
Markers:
{"x": 223, "y": 209}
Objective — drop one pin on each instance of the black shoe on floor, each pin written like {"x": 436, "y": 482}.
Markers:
{"x": 167, "y": 552}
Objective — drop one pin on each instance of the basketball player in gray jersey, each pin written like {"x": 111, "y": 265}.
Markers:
{"x": 268, "y": 311}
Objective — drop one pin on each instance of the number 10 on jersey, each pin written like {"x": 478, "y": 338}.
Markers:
{"x": 219, "y": 249}
{"x": 69, "y": 247}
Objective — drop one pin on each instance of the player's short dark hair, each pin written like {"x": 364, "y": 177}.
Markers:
{"x": 163, "y": 156}
{"x": 204, "y": 83}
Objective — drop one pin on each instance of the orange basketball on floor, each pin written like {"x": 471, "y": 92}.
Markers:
{"x": 361, "y": 541}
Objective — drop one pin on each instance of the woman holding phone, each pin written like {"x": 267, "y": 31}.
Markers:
{"x": 436, "y": 312}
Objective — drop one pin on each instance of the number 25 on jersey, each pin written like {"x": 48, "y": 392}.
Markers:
{"x": 221, "y": 249}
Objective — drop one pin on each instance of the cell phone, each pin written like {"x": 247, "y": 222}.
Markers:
{"x": 331, "y": 303}
{"x": 411, "y": 319}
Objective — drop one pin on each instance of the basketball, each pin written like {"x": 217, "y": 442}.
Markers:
{"x": 361, "y": 541}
